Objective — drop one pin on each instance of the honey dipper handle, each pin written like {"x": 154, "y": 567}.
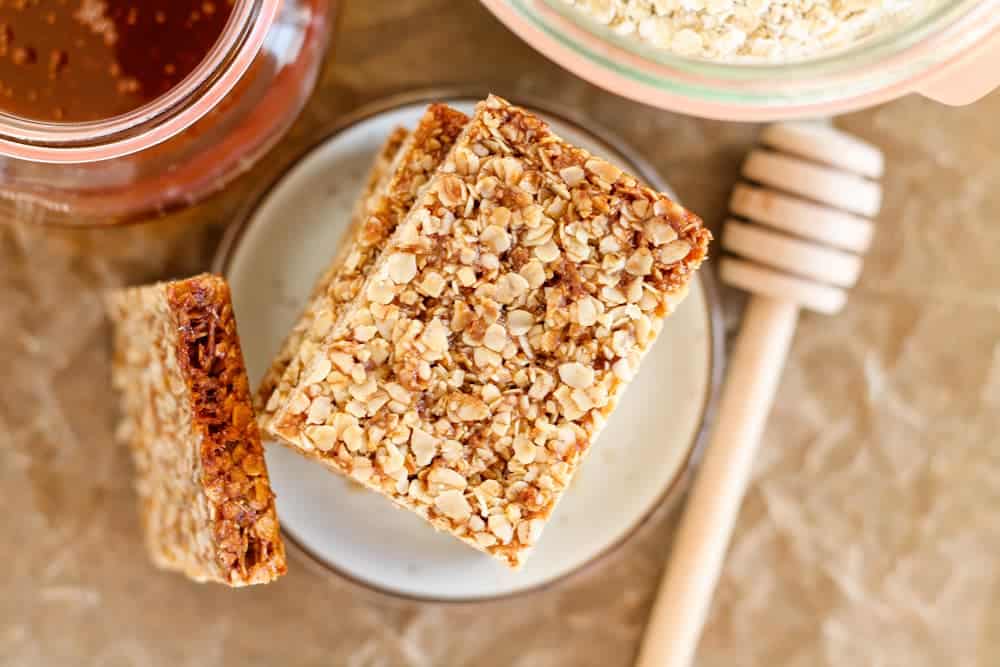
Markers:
{"x": 685, "y": 594}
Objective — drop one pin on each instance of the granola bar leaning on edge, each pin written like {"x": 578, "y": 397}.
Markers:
{"x": 206, "y": 503}
{"x": 474, "y": 369}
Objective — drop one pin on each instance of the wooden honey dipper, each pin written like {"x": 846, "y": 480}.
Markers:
{"x": 812, "y": 203}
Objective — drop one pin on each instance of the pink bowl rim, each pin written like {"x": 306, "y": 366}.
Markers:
{"x": 987, "y": 27}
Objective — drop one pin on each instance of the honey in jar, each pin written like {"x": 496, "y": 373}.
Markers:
{"x": 75, "y": 61}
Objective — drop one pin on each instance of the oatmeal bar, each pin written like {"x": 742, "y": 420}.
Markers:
{"x": 375, "y": 182}
{"x": 477, "y": 365}
{"x": 206, "y": 503}
{"x": 386, "y": 202}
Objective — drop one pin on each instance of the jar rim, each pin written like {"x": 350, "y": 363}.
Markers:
{"x": 874, "y": 70}
{"x": 161, "y": 118}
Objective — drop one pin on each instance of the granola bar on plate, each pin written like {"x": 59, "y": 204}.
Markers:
{"x": 479, "y": 360}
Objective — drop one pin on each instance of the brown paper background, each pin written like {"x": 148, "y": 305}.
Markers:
{"x": 870, "y": 535}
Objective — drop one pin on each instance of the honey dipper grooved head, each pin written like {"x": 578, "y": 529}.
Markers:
{"x": 805, "y": 216}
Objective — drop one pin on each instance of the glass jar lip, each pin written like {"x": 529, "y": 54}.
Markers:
{"x": 875, "y": 70}
{"x": 161, "y": 118}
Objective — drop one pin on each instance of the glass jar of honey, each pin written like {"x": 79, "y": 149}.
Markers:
{"x": 113, "y": 111}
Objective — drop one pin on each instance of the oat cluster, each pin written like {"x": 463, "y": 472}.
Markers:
{"x": 490, "y": 340}
{"x": 771, "y": 30}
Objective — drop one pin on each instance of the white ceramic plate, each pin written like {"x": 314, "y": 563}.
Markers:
{"x": 272, "y": 259}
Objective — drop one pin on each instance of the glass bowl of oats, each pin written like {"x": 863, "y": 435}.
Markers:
{"x": 758, "y": 60}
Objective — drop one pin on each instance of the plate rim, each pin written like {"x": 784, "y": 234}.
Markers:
{"x": 672, "y": 491}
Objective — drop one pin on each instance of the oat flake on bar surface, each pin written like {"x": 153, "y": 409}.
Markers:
{"x": 772, "y": 30}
